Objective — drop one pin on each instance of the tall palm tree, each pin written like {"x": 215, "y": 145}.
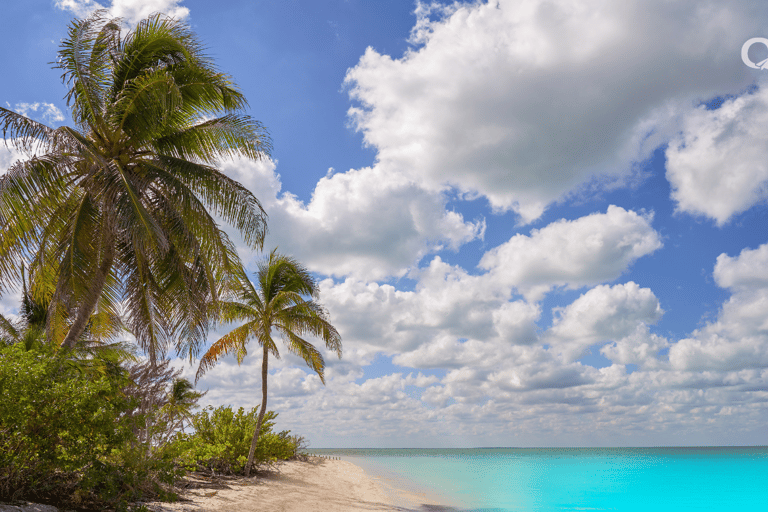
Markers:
{"x": 278, "y": 305}
{"x": 118, "y": 211}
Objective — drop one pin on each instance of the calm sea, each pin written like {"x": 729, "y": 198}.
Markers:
{"x": 552, "y": 479}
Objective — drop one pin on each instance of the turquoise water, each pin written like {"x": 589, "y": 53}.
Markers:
{"x": 556, "y": 479}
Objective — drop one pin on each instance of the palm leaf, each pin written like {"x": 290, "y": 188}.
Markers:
{"x": 232, "y": 341}
{"x": 224, "y": 196}
{"x": 9, "y": 331}
{"x": 23, "y": 132}
{"x": 208, "y": 141}
{"x": 119, "y": 213}
{"x": 307, "y": 351}
{"x": 82, "y": 56}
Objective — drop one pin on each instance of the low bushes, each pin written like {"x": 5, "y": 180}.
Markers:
{"x": 222, "y": 439}
{"x": 65, "y": 434}
{"x": 90, "y": 433}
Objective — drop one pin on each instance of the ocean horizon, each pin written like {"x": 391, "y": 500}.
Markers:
{"x": 495, "y": 479}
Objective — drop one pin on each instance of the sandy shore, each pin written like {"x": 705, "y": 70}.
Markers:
{"x": 317, "y": 485}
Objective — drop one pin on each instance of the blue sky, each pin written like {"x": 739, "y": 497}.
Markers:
{"x": 534, "y": 223}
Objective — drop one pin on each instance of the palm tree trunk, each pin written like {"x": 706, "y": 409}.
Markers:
{"x": 92, "y": 297}
{"x": 263, "y": 409}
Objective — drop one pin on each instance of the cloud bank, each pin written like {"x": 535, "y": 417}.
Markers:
{"x": 523, "y": 102}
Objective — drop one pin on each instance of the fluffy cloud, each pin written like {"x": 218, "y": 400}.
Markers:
{"x": 9, "y": 303}
{"x": 449, "y": 352}
{"x": 364, "y": 223}
{"x": 604, "y": 313}
{"x": 521, "y": 395}
{"x": 543, "y": 376}
{"x": 523, "y": 101}
{"x": 49, "y": 112}
{"x": 9, "y": 155}
{"x": 747, "y": 271}
{"x": 738, "y": 339}
{"x": 718, "y": 164}
{"x": 132, "y": 11}
{"x": 573, "y": 253}
{"x": 422, "y": 328}
{"x": 79, "y": 8}
{"x": 639, "y": 347}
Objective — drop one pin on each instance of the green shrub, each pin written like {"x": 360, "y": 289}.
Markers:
{"x": 222, "y": 439}
{"x": 65, "y": 435}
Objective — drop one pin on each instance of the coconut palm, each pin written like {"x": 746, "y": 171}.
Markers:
{"x": 115, "y": 216}
{"x": 278, "y": 305}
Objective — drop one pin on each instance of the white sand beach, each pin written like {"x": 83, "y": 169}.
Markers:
{"x": 295, "y": 486}
{"x": 317, "y": 485}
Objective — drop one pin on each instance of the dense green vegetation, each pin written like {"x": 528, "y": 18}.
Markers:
{"x": 222, "y": 438}
{"x": 68, "y": 436}
{"x": 111, "y": 230}
{"x": 82, "y": 433}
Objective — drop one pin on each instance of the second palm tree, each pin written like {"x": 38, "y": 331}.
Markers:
{"x": 279, "y": 304}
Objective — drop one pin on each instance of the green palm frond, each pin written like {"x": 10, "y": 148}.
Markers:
{"x": 307, "y": 351}
{"x": 83, "y": 56}
{"x": 235, "y": 340}
{"x": 309, "y": 317}
{"x": 32, "y": 182}
{"x": 24, "y": 133}
{"x": 116, "y": 217}
{"x": 208, "y": 141}
{"x": 206, "y": 90}
{"x": 145, "y": 318}
{"x": 156, "y": 41}
{"x": 9, "y": 331}
{"x": 187, "y": 221}
{"x": 224, "y": 196}
{"x": 146, "y": 103}
{"x": 278, "y": 303}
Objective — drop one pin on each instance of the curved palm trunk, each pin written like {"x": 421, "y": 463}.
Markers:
{"x": 91, "y": 299}
{"x": 264, "y": 368}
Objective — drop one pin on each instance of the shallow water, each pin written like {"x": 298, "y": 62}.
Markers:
{"x": 554, "y": 479}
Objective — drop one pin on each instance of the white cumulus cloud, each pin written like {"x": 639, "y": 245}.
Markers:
{"x": 9, "y": 155}
{"x": 639, "y": 347}
{"x": 522, "y": 101}
{"x": 364, "y": 223}
{"x": 738, "y": 339}
{"x": 48, "y": 112}
{"x": 589, "y": 250}
{"x": 718, "y": 164}
{"x": 748, "y": 270}
{"x": 604, "y": 313}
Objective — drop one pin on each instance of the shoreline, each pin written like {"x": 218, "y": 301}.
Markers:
{"x": 404, "y": 493}
{"x": 316, "y": 485}
{"x": 319, "y": 484}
